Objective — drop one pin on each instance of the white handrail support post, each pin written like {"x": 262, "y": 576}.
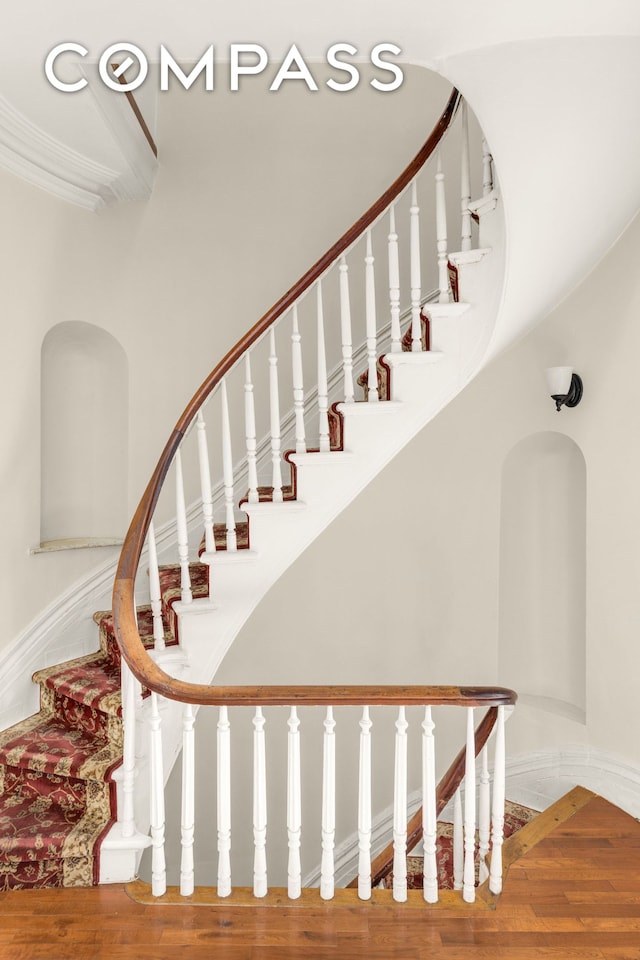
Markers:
{"x": 484, "y": 815}
{"x": 441, "y": 234}
{"x": 250, "y": 432}
{"x": 400, "y": 810}
{"x": 298, "y": 382}
{"x": 465, "y": 182}
{"x": 364, "y": 808}
{"x": 205, "y": 484}
{"x": 157, "y": 814}
{"x": 183, "y": 538}
{"x": 497, "y": 818}
{"x": 469, "y": 874}
{"x": 259, "y": 806}
{"x": 327, "y": 871}
{"x": 416, "y": 281}
{"x": 370, "y": 315}
{"x": 429, "y": 818}
{"x": 224, "y": 802}
{"x": 128, "y": 687}
{"x": 294, "y": 806}
{"x": 394, "y": 284}
{"x": 227, "y": 470}
{"x": 345, "y": 326}
{"x": 155, "y": 595}
{"x": 188, "y": 801}
{"x": 274, "y": 407}
{"x": 323, "y": 389}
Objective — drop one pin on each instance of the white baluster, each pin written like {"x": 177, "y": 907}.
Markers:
{"x": 298, "y": 383}
{"x": 441, "y": 234}
{"x": 158, "y": 867}
{"x": 128, "y": 688}
{"x": 259, "y": 807}
{"x": 364, "y": 808}
{"x": 487, "y": 169}
{"x": 183, "y": 539}
{"x": 469, "y": 878}
{"x": 224, "y": 803}
{"x": 394, "y": 284}
{"x": 327, "y": 878}
{"x": 416, "y": 281}
{"x": 227, "y": 470}
{"x": 274, "y": 406}
{"x": 465, "y": 182}
{"x": 188, "y": 801}
{"x": 154, "y": 591}
{"x": 250, "y": 432}
{"x": 323, "y": 390}
{"x": 345, "y": 324}
{"x": 429, "y": 821}
{"x": 370, "y": 314}
{"x": 205, "y": 484}
{"x": 400, "y": 810}
{"x": 458, "y": 841}
{"x": 484, "y": 814}
{"x": 294, "y": 806}
{"x": 497, "y": 818}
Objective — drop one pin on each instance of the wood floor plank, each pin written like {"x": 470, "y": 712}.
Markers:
{"x": 573, "y": 895}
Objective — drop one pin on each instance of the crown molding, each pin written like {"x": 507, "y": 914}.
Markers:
{"x": 140, "y": 164}
{"x": 33, "y": 155}
{"x": 28, "y": 152}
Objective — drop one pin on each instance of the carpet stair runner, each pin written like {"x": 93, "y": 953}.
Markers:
{"x": 57, "y": 792}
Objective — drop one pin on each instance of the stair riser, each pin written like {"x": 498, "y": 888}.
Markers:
{"x": 42, "y": 874}
{"x": 100, "y": 725}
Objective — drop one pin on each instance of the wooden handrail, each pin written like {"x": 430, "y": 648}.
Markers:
{"x": 126, "y": 627}
{"x": 382, "y": 865}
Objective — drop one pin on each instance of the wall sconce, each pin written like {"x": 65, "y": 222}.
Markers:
{"x": 565, "y": 386}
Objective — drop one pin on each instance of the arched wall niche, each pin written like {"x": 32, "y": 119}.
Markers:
{"x": 542, "y": 648}
{"x": 84, "y": 443}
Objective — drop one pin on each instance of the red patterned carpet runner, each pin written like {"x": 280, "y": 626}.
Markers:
{"x": 57, "y": 793}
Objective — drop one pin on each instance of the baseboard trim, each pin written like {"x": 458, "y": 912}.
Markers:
{"x": 539, "y": 779}
{"x": 58, "y": 633}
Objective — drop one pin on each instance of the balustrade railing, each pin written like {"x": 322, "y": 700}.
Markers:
{"x": 391, "y": 255}
{"x": 257, "y": 775}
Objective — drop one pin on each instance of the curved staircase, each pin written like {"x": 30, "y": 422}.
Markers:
{"x": 63, "y": 786}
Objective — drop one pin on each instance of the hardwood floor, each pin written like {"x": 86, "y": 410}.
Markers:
{"x": 575, "y": 895}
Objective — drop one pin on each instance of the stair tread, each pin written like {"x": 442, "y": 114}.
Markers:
{"x": 170, "y": 575}
{"x": 108, "y": 642}
{"x": 48, "y": 745}
{"x": 38, "y": 828}
{"x": 93, "y": 681}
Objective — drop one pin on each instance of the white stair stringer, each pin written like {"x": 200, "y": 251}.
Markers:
{"x": 373, "y": 433}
